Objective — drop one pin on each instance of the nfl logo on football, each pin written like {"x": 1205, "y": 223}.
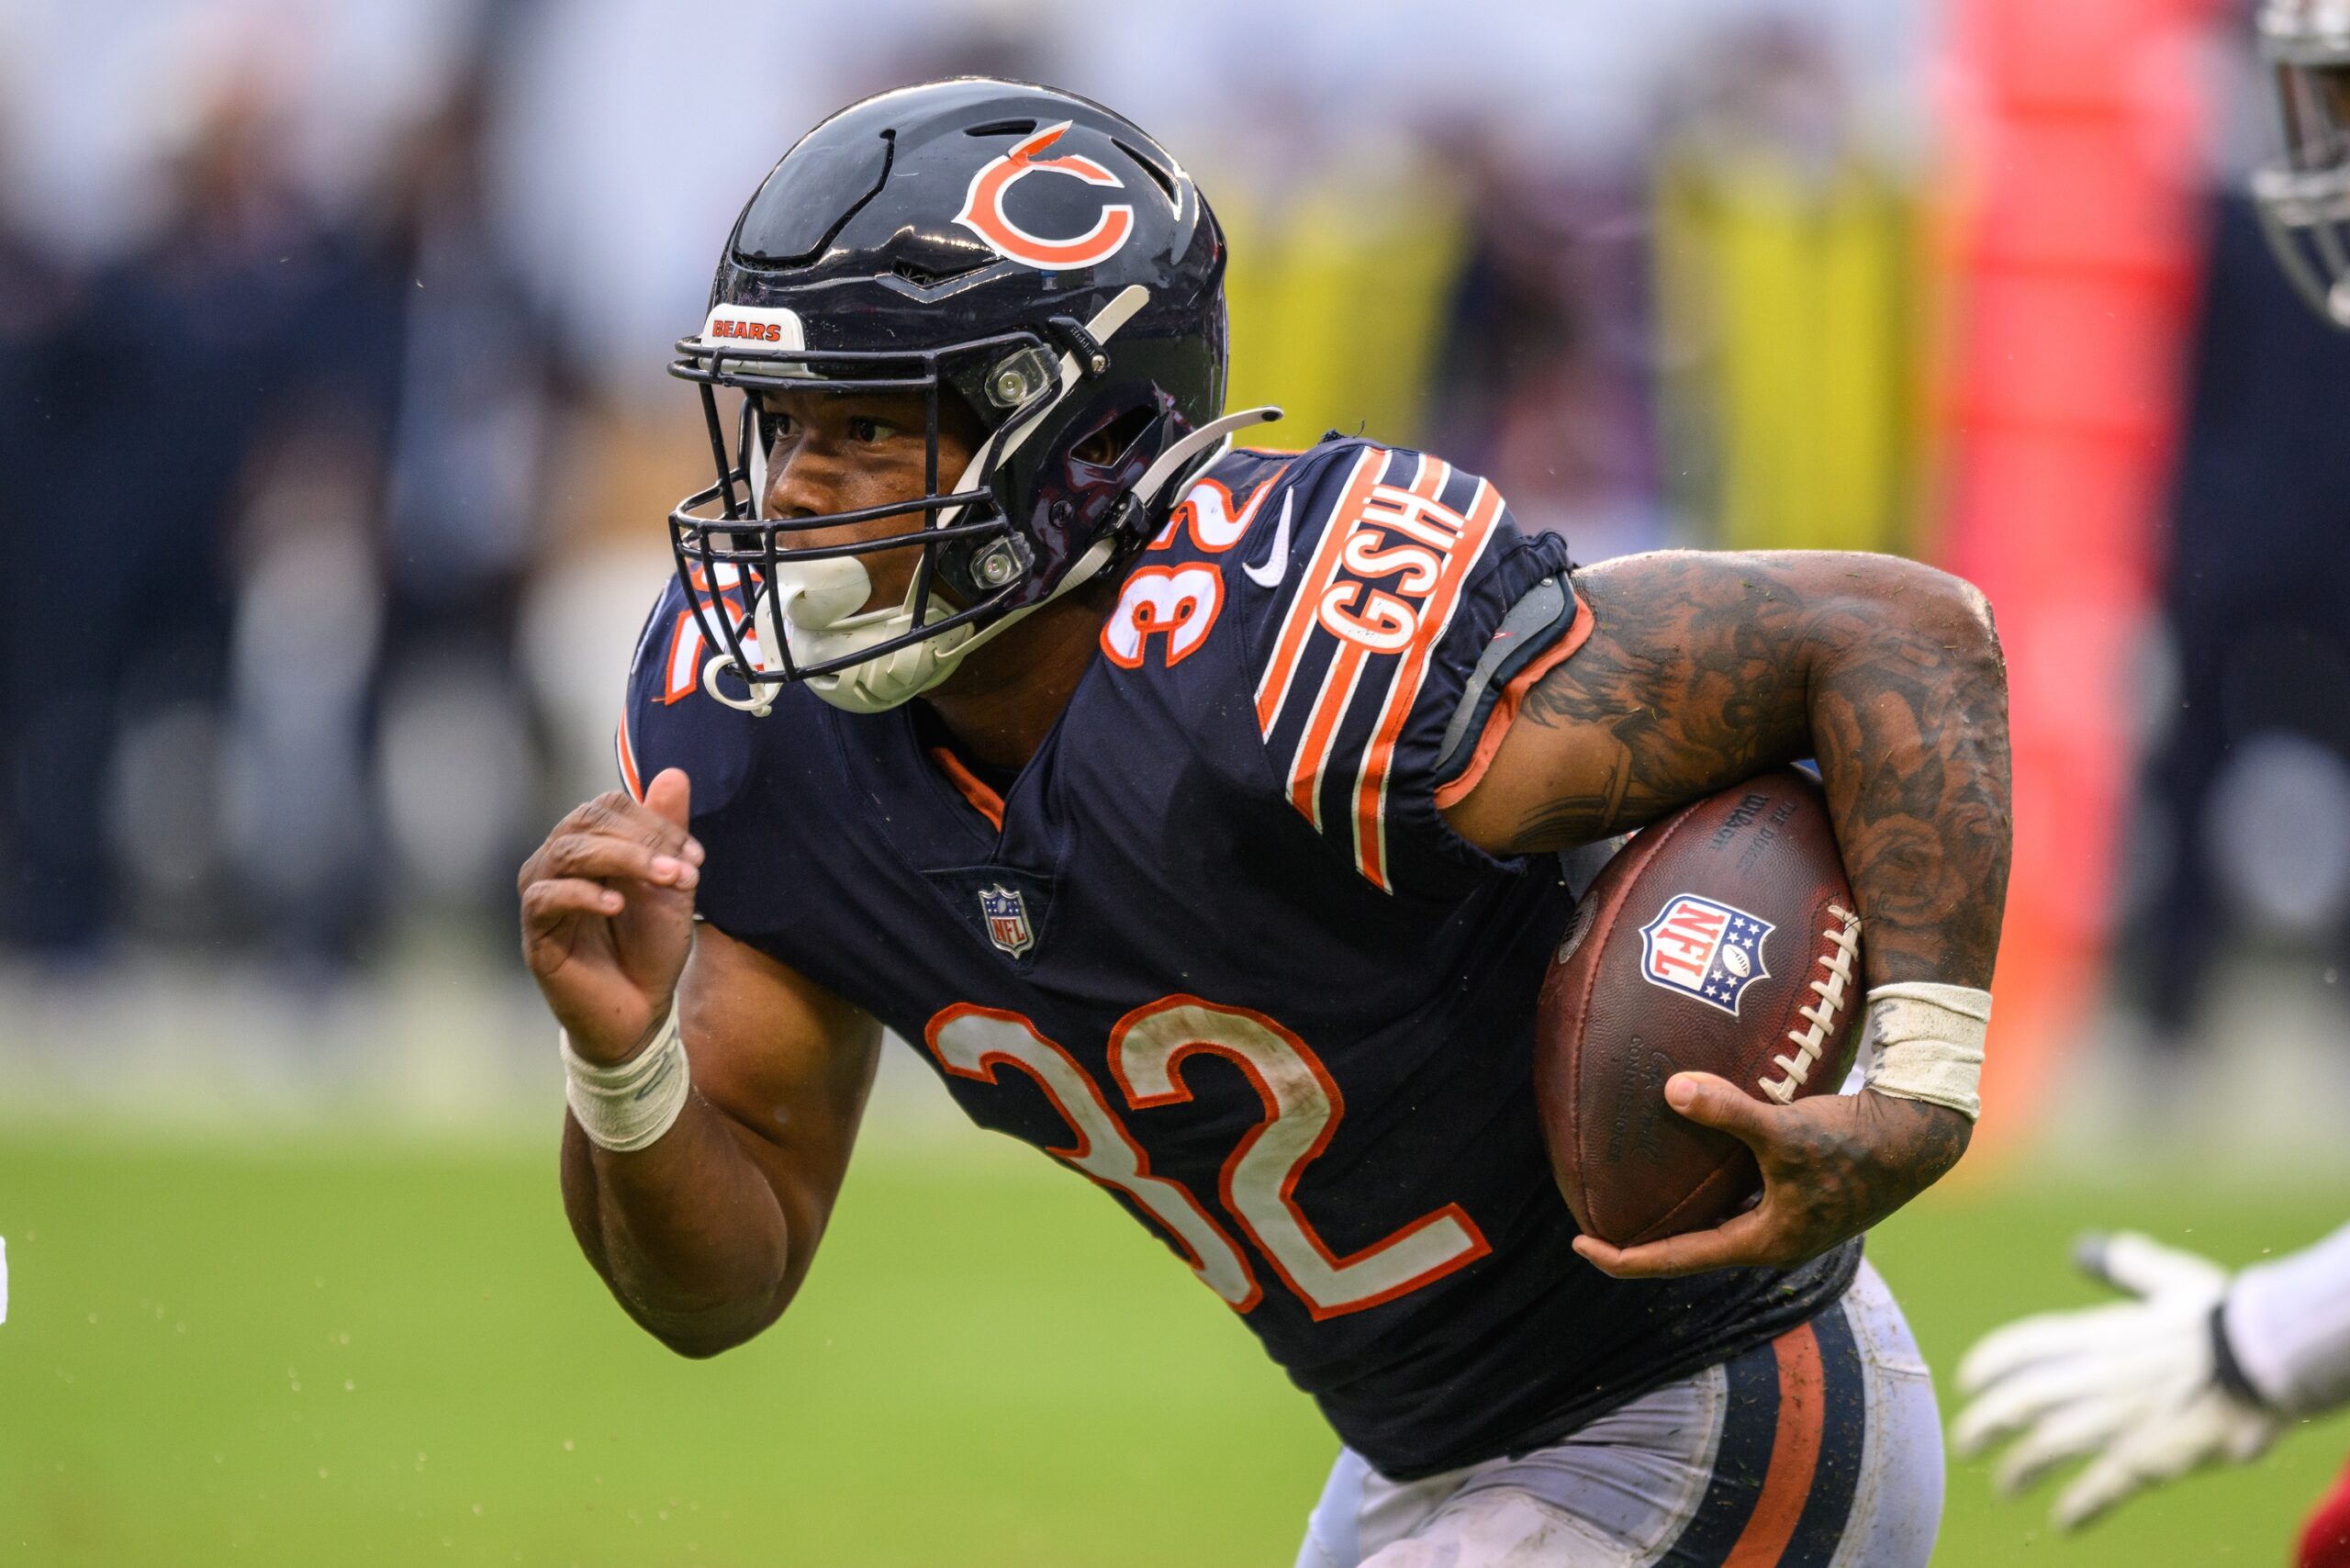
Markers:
{"x": 1006, "y": 913}
{"x": 1704, "y": 949}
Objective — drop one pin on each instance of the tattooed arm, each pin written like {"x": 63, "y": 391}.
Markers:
{"x": 1703, "y": 669}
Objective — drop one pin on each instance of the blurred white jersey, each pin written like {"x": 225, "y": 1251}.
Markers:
{"x": 2288, "y": 1324}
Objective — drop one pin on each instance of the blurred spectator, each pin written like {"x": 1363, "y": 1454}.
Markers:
{"x": 1543, "y": 380}
{"x": 2246, "y": 816}
{"x": 387, "y": 750}
{"x": 481, "y": 390}
{"x": 172, "y": 361}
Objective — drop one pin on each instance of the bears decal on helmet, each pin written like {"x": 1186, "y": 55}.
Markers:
{"x": 983, "y": 212}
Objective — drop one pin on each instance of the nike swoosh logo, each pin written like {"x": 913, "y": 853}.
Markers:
{"x": 1269, "y": 572}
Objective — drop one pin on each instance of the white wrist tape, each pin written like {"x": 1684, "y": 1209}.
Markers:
{"x": 626, "y": 1107}
{"x": 1925, "y": 1042}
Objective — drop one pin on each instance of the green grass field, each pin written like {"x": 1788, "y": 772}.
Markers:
{"x": 356, "y": 1350}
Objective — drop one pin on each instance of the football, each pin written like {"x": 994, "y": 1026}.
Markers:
{"x": 1721, "y": 939}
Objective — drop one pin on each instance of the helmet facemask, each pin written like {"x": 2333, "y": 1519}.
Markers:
{"x": 2304, "y": 201}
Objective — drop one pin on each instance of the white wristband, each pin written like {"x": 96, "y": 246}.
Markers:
{"x": 1925, "y": 1042}
{"x": 625, "y": 1108}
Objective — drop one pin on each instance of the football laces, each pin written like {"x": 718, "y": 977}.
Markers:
{"x": 1844, "y": 941}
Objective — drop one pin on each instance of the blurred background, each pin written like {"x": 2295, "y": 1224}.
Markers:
{"x": 334, "y": 446}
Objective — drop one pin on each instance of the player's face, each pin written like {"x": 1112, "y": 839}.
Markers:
{"x": 837, "y": 452}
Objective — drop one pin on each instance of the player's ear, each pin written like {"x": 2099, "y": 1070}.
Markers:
{"x": 1105, "y": 446}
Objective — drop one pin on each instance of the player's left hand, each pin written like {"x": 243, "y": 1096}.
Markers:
{"x": 2135, "y": 1385}
{"x": 1832, "y": 1166}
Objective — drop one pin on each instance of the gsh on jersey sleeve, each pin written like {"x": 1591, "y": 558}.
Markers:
{"x": 1382, "y": 652}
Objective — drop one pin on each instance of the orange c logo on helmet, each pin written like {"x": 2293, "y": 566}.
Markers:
{"x": 984, "y": 216}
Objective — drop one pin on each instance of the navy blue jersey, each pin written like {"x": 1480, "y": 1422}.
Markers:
{"x": 1215, "y": 946}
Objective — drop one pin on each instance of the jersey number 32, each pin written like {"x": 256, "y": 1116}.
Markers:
{"x": 1147, "y": 1051}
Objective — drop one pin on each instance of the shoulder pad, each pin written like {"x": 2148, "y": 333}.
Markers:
{"x": 668, "y": 721}
{"x": 1383, "y": 575}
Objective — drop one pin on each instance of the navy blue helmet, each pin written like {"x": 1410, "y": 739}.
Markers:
{"x": 1020, "y": 249}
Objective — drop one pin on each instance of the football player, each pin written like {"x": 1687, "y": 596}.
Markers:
{"x": 1195, "y": 810}
{"x": 2198, "y": 1368}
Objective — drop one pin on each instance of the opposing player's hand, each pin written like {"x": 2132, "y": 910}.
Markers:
{"x": 608, "y": 909}
{"x": 2133, "y": 1388}
{"x": 1832, "y": 1166}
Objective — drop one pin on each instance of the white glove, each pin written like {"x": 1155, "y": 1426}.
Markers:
{"x": 2136, "y": 1385}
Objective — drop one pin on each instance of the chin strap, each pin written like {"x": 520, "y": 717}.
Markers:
{"x": 1134, "y": 508}
{"x": 1215, "y": 432}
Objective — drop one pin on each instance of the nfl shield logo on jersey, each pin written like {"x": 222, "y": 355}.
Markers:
{"x": 1704, "y": 949}
{"x": 1006, "y": 913}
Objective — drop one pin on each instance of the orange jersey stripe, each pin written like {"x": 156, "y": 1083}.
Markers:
{"x": 1330, "y": 705}
{"x": 1289, "y": 648}
{"x": 1338, "y": 692}
{"x": 1436, "y": 618}
{"x": 970, "y": 786}
{"x": 1795, "y": 1453}
{"x": 1371, "y": 780}
{"x": 627, "y": 749}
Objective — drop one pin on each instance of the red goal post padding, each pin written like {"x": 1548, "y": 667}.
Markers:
{"x": 2074, "y": 241}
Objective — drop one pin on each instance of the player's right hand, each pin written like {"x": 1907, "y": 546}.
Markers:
{"x": 608, "y": 909}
